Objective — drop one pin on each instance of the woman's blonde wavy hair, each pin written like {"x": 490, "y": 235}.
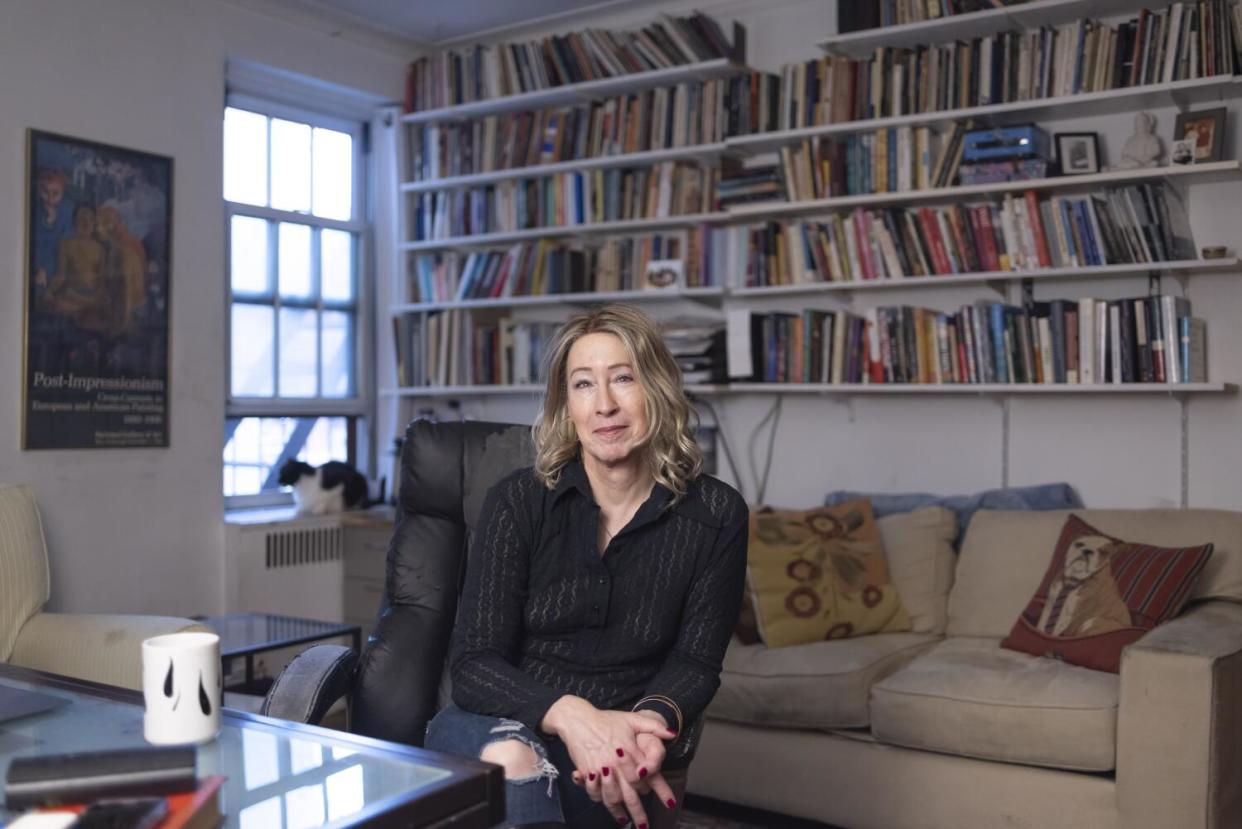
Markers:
{"x": 669, "y": 448}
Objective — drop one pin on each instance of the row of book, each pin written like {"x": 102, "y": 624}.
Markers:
{"x": 884, "y": 161}
{"x": 856, "y": 15}
{"x": 688, "y": 114}
{"x": 1186, "y": 40}
{"x": 650, "y": 262}
{"x": 566, "y": 200}
{"x": 449, "y": 349}
{"x": 453, "y": 348}
{"x": 491, "y": 71}
{"x": 1151, "y": 339}
{"x": 1126, "y": 225}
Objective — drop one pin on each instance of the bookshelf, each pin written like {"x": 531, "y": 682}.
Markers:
{"x": 1181, "y": 94}
{"x": 1180, "y": 268}
{"x": 578, "y": 93}
{"x": 1208, "y": 172}
{"x": 703, "y": 153}
{"x": 850, "y": 389}
{"x": 974, "y": 24}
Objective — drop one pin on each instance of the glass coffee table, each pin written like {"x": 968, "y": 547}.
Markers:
{"x": 243, "y": 635}
{"x": 280, "y": 774}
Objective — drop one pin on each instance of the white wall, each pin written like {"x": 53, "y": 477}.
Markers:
{"x": 140, "y": 530}
{"x": 1117, "y": 450}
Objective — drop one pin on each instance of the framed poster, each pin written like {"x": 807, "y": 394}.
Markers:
{"x": 98, "y": 248}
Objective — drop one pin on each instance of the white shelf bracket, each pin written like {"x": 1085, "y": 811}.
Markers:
{"x": 1184, "y": 403}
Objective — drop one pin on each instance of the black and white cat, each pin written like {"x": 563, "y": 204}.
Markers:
{"x": 333, "y": 487}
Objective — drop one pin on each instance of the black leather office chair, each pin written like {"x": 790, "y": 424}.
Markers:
{"x": 399, "y": 681}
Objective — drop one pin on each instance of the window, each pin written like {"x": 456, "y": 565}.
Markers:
{"x": 296, "y": 301}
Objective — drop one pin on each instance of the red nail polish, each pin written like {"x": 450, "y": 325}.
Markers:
{"x": 604, "y": 771}
{"x": 642, "y": 826}
{"x": 592, "y": 776}
{"x": 642, "y": 772}
{"x": 672, "y": 804}
{"x": 620, "y": 753}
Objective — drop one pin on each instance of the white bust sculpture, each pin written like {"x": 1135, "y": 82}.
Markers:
{"x": 1142, "y": 149}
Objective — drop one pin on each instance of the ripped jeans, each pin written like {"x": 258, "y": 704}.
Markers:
{"x": 547, "y": 796}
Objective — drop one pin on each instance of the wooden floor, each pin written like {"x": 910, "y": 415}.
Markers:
{"x": 705, "y": 813}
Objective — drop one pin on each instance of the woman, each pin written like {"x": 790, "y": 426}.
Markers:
{"x": 601, "y": 592}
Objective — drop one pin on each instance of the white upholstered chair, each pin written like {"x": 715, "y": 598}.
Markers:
{"x": 103, "y": 648}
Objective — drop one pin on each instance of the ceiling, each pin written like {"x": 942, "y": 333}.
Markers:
{"x": 433, "y": 23}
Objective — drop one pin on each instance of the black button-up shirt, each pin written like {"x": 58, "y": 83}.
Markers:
{"x": 543, "y": 614}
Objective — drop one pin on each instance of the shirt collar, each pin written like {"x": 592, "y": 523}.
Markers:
{"x": 573, "y": 477}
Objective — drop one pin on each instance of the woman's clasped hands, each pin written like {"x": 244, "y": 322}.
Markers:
{"x": 617, "y": 755}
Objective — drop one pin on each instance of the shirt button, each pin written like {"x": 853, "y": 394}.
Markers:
{"x": 595, "y": 608}
{"x": 603, "y": 580}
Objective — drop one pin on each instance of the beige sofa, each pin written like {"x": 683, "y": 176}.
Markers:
{"x": 940, "y": 727}
{"x": 98, "y": 647}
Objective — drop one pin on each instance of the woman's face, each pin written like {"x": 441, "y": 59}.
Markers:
{"x": 606, "y": 402}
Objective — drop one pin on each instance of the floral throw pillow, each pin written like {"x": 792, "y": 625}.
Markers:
{"x": 820, "y": 574}
{"x": 1101, "y": 593}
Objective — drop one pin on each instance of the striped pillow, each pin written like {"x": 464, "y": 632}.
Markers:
{"x": 1101, "y": 593}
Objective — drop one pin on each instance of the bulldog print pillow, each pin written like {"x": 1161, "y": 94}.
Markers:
{"x": 1101, "y": 593}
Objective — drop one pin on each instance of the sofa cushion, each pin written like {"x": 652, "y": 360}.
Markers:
{"x": 919, "y": 549}
{"x": 820, "y": 574}
{"x": 1005, "y": 555}
{"x": 820, "y": 685}
{"x": 1038, "y": 497}
{"x": 24, "y": 580}
{"x": 1102, "y": 593}
{"x": 971, "y": 697}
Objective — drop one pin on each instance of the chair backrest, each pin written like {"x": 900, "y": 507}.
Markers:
{"x": 25, "y": 584}
{"x": 446, "y": 470}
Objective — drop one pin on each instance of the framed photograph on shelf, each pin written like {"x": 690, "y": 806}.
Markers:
{"x": 1078, "y": 153}
{"x": 98, "y": 234}
{"x": 1182, "y": 152}
{"x": 1205, "y": 130}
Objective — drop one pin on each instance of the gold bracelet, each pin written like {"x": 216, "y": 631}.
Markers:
{"x": 666, "y": 701}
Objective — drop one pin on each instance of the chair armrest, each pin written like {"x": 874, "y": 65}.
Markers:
{"x": 1179, "y": 725}
{"x": 310, "y": 683}
{"x": 100, "y": 647}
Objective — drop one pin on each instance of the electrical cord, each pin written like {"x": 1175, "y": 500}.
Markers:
{"x": 761, "y": 482}
{"x": 720, "y": 435}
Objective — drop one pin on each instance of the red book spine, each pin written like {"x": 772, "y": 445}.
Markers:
{"x": 931, "y": 231}
{"x": 989, "y": 237}
{"x": 1037, "y": 229}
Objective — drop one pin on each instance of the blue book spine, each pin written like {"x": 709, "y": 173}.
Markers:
{"x": 996, "y": 317}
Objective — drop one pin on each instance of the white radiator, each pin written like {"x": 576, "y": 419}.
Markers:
{"x": 293, "y": 567}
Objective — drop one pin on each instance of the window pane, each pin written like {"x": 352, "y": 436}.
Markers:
{"x": 245, "y": 156}
{"x": 298, "y": 351}
{"x": 253, "y": 340}
{"x": 295, "y": 261}
{"x": 249, "y": 255}
{"x": 338, "y": 354}
{"x": 291, "y": 165}
{"x": 336, "y": 265}
{"x": 334, "y": 174}
{"x": 259, "y": 442}
{"x": 328, "y": 441}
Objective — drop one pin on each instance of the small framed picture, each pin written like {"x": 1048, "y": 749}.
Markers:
{"x": 1078, "y": 152}
{"x": 1205, "y": 130}
{"x": 1183, "y": 152}
{"x": 663, "y": 274}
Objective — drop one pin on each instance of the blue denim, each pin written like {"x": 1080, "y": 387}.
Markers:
{"x": 547, "y": 796}
{"x": 1040, "y": 497}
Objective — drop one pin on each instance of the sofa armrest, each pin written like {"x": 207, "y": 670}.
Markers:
{"x": 310, "y": 683}
{"x": 100, "y": 647}
{"x": 1179, "y": 727}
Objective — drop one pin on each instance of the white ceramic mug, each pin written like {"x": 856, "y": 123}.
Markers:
{"x": 181, "y": 688}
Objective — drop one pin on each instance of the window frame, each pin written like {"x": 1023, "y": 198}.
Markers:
{"x": 358, "y": 409}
